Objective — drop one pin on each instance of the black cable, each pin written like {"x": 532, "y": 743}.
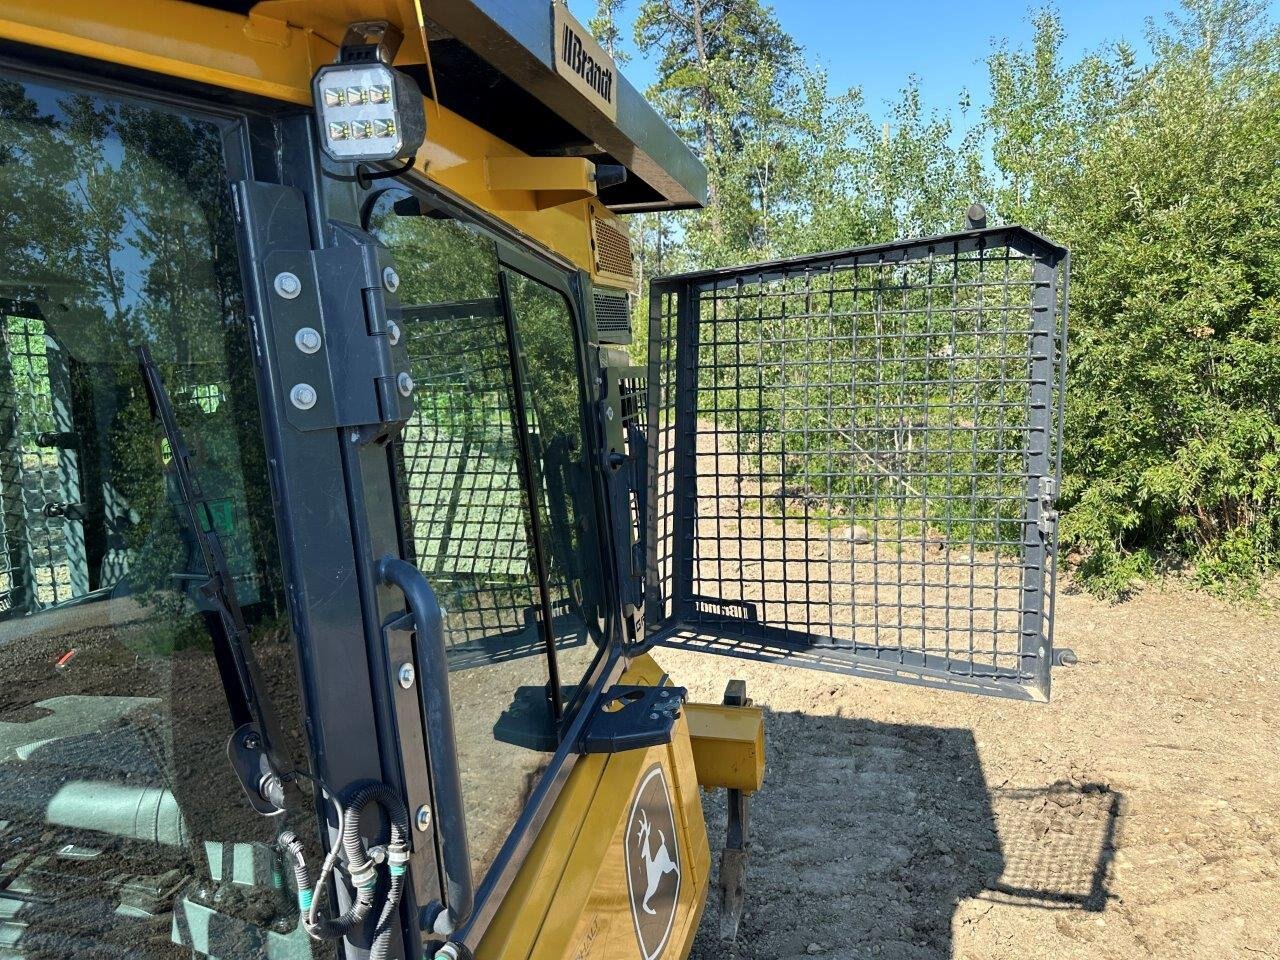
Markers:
{"x": 362, "y": 870}
{"x": 365, "y": 176}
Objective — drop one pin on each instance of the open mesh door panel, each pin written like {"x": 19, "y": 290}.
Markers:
{"x": 853, "y": 457}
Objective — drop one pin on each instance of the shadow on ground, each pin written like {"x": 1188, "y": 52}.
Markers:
{"x": 867, "y": 836}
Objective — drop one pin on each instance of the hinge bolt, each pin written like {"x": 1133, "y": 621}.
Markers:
{"x": 391, "y": 279}
{"x": 422, "y": 819}
{"x": 608, "y": 413}
{"x": 393, "y": 332}
{"x": 405, "y": 676}
{"x": 303, "y": 396}
{"x": 405, "y": 383}
{"x": 288, "y": 285}
{"x": 307, "y": 340}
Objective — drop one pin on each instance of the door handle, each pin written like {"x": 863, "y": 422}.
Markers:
{"x": 442, "y": 745}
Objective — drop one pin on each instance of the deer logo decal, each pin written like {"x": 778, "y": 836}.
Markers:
{"x": 653, "y": 862}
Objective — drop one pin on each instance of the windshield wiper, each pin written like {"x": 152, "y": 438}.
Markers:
{"x": 252, "y": 747}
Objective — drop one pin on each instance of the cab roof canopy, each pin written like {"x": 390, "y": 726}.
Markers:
{"x": 494, "y": 63}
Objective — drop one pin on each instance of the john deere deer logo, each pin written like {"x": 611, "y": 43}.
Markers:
{"x": 656, "y": 866}
{"x": 653, "y": 863}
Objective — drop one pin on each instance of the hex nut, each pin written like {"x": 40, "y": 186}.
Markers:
{"x": 391, "y": 279}
{"x": 405, "y": 383}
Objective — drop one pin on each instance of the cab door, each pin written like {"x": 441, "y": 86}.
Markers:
{"x": 853, "y": 459}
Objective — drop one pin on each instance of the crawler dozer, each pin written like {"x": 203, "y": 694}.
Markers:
{"x": 347, "y": 509}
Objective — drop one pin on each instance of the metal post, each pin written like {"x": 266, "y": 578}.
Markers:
{"x": 1037, "y": 532}
{"x": 684, "y": 472}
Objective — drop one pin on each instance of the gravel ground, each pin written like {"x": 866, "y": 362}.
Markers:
{"x": 1134, "y": 816}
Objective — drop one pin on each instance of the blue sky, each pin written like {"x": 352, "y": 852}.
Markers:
{"x": 878, "y": 45}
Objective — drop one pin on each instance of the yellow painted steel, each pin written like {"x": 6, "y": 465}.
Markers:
{"x": 553, "y": 180}
{"x": 273, "y": 53}
{"x": 728, "y": 745}
{"x": 570, "y": 899}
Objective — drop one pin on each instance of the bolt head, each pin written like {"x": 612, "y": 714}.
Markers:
{"x": 251, "y": 741}
{"x": 307, "y": 340}
{"x": 405, "y": 383}
{"x": 393, "y": 332}
{"x": 653, "y": 716}
{"x": 422, "y": 819}
{"x": 287, "y": 285}
{"x": 303, "y": 396}
{"x": 608, "y": 412}
{"x": 405, "y": 675}
{"x": 391, "y": 279}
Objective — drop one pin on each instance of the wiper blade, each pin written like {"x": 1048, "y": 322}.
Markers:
{"x": 256, "y": 737}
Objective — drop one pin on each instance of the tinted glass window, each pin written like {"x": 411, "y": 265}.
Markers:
{"x": 553, "y": 399}
{"x": 465, "y": 488}
{"x": 122, "y": 828}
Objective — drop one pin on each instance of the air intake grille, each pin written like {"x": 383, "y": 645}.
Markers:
{"x": 612, "y": 250}
{"x": 613, "y": 317}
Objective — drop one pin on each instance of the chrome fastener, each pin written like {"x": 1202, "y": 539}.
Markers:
{"x": 308, "y": 340}
{"x": 287, "y": 285}
{"x": 303, "y": 396}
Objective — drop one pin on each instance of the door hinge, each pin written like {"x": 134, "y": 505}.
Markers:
{"x": 1048, "y": 517}
{"x": 331, "y": 315}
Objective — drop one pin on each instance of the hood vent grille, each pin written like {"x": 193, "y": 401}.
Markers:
{"x": 613, "y": 316}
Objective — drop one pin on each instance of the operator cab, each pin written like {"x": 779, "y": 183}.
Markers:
{"x": 339, "y": 516}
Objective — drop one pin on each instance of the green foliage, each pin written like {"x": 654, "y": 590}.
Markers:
{"x": 1163, "y": 179}
{"x": 1164, "y": 183}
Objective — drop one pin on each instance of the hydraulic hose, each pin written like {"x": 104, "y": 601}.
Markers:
{"x": 362, "y": 870}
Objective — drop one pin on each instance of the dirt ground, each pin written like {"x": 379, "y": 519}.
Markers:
{"x": 1135, "y": 815}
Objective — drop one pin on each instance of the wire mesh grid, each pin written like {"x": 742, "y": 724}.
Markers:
{"x": 34, "y": 569}
{"x": 47, "y": 500}
{"x": 463, "y": 490}
{"x": 852, "y": 457}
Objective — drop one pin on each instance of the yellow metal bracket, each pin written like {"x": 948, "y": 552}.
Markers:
{"x": 552, "y": 180}
{"x": 728, "y": 745}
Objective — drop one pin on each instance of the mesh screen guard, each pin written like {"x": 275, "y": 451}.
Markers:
{"x": 853, "y": 458}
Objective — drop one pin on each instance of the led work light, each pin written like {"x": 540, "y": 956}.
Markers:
{"x": 367, "y": 110}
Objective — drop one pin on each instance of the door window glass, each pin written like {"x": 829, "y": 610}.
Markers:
{"x": 122, "y": 827}
{"x": 553, "y": 401}
{"x": 468, "y": 518}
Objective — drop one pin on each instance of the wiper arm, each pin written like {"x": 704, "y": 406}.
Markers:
{"x": 253, "y": 745}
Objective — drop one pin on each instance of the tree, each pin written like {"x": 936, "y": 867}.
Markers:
{"x": 1162, "y": 179}
{"x": 1164, "y": 182}
{"x": 604, "y": 27}
{"x": 709, "y": 51}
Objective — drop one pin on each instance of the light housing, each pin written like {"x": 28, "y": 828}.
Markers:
{"x": 366, "y": 109}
